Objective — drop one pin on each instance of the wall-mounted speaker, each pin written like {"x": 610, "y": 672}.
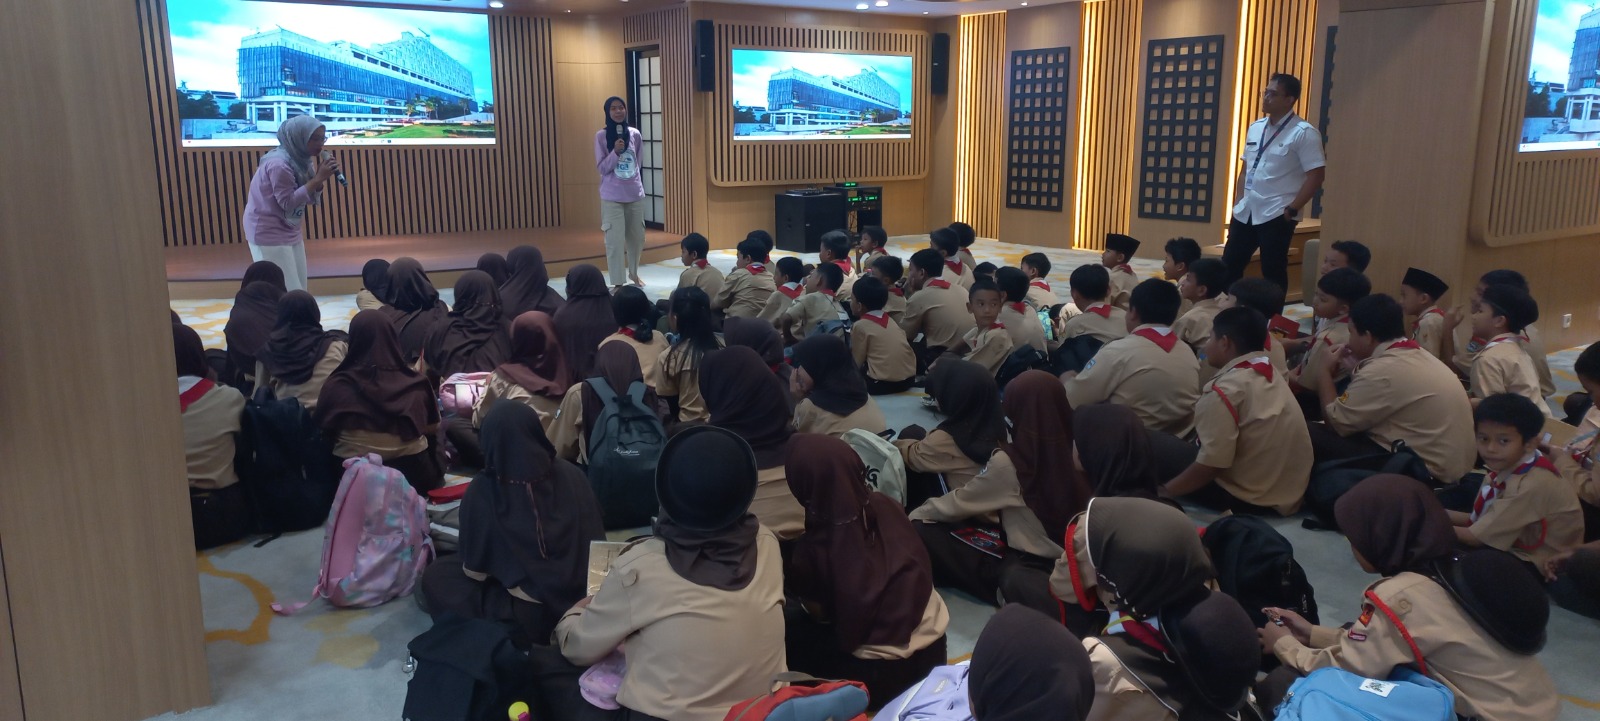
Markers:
{"x": 705, "y": 56}
{"x": 939, "y": 76}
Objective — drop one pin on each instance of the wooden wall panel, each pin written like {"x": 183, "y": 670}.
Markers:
{"x": 1108, "y": 119}
{"x": 671, "y": 30}
{"x": 1275, "y": 36}
{"x": 10, "y": 683}
{"x": 1047, "y": 27}
{"x": 981, "y": 122}
{"x": 393, "y": 190}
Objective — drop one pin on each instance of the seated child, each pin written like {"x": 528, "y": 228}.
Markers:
{"x": 744, "y": 292}
{"x": 948, "y": 244}
{"x": 636, "y": 327}
{"x": 677, "y": 376}
{"x": 697, "y": 270}
{"x": 819, "y": 303}
{"x": 836, "y": 250}
{"x": 1021, "y": 322}
{"x": 1467, "y": 345}
{"x": 210, "y": 414}
{"x": 1577, "y": 459}
{"x": 832, "y": 396}
{"x": 764, "y": 238}
{"x": 1089, "y": 286}
{"x": 870, "y": 247}
{"x": 1149, "y": 371}
{"x": 966, "y": 236}
{"x": 1036, "y": 266}
{"x": 1336, "y": 292}
{"x": 1266, "y": 298}
{"x": 1255, "y": 451}
{"x": 790, "y": 278}
{"x": 984, "y": 271}
{"x": 949, "y": 456}
{"x": 1119, "y": 252}
{"x": 890, "y": 270}
{"x": 1181, "y": 252}
{"x": 1500, "y": 314}
{"x": 880, "y": 348}
{"x": 1206, "y": 279}
{"x": 1420, "y": 292}
{"x": 936, "y": 313}
{"x": 1344, "y": 254}
{"x": 1525, "y": 507}
{"x": 988, "y": 344}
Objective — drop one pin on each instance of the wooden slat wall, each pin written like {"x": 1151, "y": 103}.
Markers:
{"x": 672, "y": 30}
{"x": 393, "y": 190}
{"x": 981, "y": 122}
{"x": 1107, "y": 119}
{"x": 778, "y": 162}
{"x": 1275, "y": 36}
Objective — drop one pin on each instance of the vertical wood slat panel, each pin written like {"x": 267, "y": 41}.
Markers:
{"x": 1275, "y": 36}
{"x": 980, "y": 122}
{"x": 671, "y": 30}
{"x": 1108, "y": 125}
{"x": 393, "y": 190}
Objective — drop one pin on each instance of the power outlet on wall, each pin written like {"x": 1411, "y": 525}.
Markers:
{"x": 1566, "y": 320}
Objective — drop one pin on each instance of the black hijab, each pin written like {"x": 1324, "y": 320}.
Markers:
{"x": 968, "y": 396}
{"x": 1396, "y": 523}
{"x": 1041, "y": 449}
{"x": 586, "y": 319}
{"x": 475, "y": 338}
{"x": 528, "y": 518}
{"x": 414, "y": 306}
{"x": 742, "y": 396}
{"x": 837, "y": 385}
{"x": 1026, "y": 666}
{"x": 375, "y": 278}
{"x": 495, "y": 265}
{"x": 760, "y": 336}
{"x": 190, "y": 352}
{"x": 527, "y": 286}
{"x": 1114, "y": 447}
{"x": 614, "y": 130}
{"x": 298, "y": 342}
{"x": 264, "y": 271}
{"x": 707, "y": 477}
{"x": 1147, "y": 554}
{"x": 255, "y": 312}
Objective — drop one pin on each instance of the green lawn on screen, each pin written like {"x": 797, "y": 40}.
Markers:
{"x": 439, "y": 131}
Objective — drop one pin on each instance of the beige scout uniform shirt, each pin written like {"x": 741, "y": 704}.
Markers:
{"x": 500, "y": 387}
{"x": 1100, "y": 320}
{"x": 988, "y": 347}
{"x": 1251, "y": 427}
{"x": 778, "y": 303}
{"x": 1334, "y": 332}
{"x": 388, "y": 446}
{"x": 844, "y": 294}
{"x": 1583, "y": 475}
{"x": 1118, "y": 694}
{"x": 809, "y": 310}
{"x": 938, "y": 453}
{"x": 365, "y": 300}
{"x": 1404, "y": 394}
{"x": 1503, "y": 367}
{"x": 565, "y": 430}
{"x": 939, "y": 312}
{"x": 702, "y": 275}
{"x": 693, "y": 651}
{"x": 1023, "y": 326}
{"x": 960, "y": 275}
{"x": 775, "y": 505}
{"x": 1160, "y": 385}
{"x": 1468, "y": 346}
{"x": 1040, "y": 296}
{"x": 678, "y": 374}
{"x": 1536, "y": 517}
{"x": 1123, "y": 279}
{"x": 1488, "y": 681}
{"x": 211, "y": 424}
{"x": 649, "y": 353}
{"x": 995, "y": 490}
{"x": 1428, "y": 332}
{"x": 881, "y": 349}
{"x": 744, "y": 292}
{"x": 808, "y": 418}
{"x": 896, "y": 307}
{"x": 308, "y": 391}
{"x": 864, "y": 262}
{"x": 1194, "y": 327}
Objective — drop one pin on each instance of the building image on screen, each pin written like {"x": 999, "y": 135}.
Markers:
{"x": 371, "y": 75}
{"x": 1563, "y": 103}
{"x": 779, "y": 95}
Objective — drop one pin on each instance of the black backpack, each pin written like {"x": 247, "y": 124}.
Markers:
{"x": 624, "y": 448}
{"x": 1075, "y": 353}
{"x": 1021, "y": 361}
{"x": 1330, "y": 480}
{"x": 286, "y": 466}
{"x": 1255, "y": 565}
{"x": 466, "y": 670}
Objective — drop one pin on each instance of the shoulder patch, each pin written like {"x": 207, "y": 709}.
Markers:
{"x": 1367, "y": 610}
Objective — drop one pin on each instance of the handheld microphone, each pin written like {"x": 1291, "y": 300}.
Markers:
{"x": 340, "y": 176}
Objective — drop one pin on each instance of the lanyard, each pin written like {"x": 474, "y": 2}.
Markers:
{"x": 1262, "y": 150}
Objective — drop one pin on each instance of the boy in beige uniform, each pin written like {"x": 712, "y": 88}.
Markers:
{"x": 889, "y": 270}
{"x": 1420, "y": 292}
{"x": 936, "y": 311}
{"x": 697, "y": 270}
{"x": 1524, "y": 507}
{"x": 1336, "y": 293}
{"x": 1120, "y": 250}
{"x": 1201, "y": 286}
{"x": 1467, "y": 344}
{"x": 1098, "y": 318}
{"x": 1040, "y": 296}
{"x": 1264, "y": 297}
{"x": 948, "y": 245}
{"x": 744, "y": 292}
{"x": 1021, "y": 322}
{"x": 882, "y": 352}
{"x": 817, "y": 305}
{"x": 1255, "y": 450}
{"x": 835, "y": 251}
{"x": 988, "y": 343}
{"x": 790, "y": 278}
{"x": 1150, "y": 371}
{"x": 1502, "y": 366}
{"x": 870, "y": 247}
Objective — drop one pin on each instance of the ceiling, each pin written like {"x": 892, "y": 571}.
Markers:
{"x": 931, "y": 8}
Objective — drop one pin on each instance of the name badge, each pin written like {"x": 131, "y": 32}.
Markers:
{"x": 627, "y": 165}
{"x": 1250, "y": 179}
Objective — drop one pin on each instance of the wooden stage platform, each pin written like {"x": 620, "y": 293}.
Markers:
{"x": 334, "y": 265}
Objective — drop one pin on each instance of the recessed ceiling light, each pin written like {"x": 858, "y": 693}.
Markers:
{"x": 882, "y": 3}
{"x": 1024, "y": 4}
{"x": 496, "y": 4}
{"x": 924, "y": 12}
{"x": 861, "y": 6}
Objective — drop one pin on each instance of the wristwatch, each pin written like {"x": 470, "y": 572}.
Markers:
{"x": 1294, "y": 213}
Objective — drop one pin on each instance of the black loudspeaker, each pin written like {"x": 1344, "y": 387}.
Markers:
{"x": 705, "y": 55}
{"x": 939, "y": 78}
{"x": 802, "y": 218}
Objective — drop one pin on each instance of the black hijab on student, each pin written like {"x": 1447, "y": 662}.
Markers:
{"x": 528, "y": 518}
{"x": 190, "y": 352}
{"x": 837, "y": 385}
{"x": 1026, "y": 666}
{"x": 414, "y": 306}
{"x": 763, "y": 338}
{"x": 586, "y": 319}
{"x": 374, "y": 388}
{"x": 298, "y": 342}
{"x": 706, "y": 480}
{"x": 496, "y": 266}
{"x": 475, "y": 337}
{"x": 265, "y": 271}
{"x": 255, "y": 312}
{"x": 614, "y": 130}
{"x": 375, "y": 279}
{"x": 1114, "y": 447}
{"x": 527, "y": 287}
{"x": 742, "y": 396}
{"x": 967, "y": 394}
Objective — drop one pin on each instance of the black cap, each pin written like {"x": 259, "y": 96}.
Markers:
{"x": 1426, "y": 282}
{"x": 706, "y": 478}
{"x": 1124, "y": 244}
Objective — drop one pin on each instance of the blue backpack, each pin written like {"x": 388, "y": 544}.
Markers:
{"x": 1333, "y": 694}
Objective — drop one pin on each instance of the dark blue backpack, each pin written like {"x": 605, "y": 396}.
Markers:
{"x": 624, "y": 448}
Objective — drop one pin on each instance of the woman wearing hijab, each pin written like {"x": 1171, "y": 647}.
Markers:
{"x": 300, "y": 355}
{"x": 635, "y": 317}
{"x": 742, "y": 396}
{"x": 955, "y": 451}
{"x": 211, "y": 416}
{"x": 376, "y": 403}
{"x": 474, "y": 338}
{"x": 832, "y": 389}
{"x": 1398, "y": 529}
{"x": 616, "y": 156}
{"x": 286, "y": 181}
{"x": 586, "y": 319}
{"x": 250, "y": 322}
{"x": 1111, "y": 446}
{"x": 1025, "y": 667}
{"x": 763, "y": 338}
{"x": 528, "y": 285}
{"x": 526, "y": 524}
{"x": 414, "y": 307}
{"x": 700, "y": 604}
{"x": 618, "y": 366}
{"x": 266, "y": 271}
{"x": 535, "y": 374}
{"x": 864, "y": 605}
{"x": 677, "y": 376}
{"x": 1030, "y": 484}
{"x": 496, "y": 266}
{"x": 374, "y": 293}
{"x": 1174, "y": 648}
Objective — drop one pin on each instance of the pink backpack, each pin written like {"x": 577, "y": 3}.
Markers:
{"x": 375, "y": 542}
{"x": 459, "y": 394}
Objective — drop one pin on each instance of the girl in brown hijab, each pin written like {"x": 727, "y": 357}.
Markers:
{"x": 263, "y": 270}
{"x": 618, "y": 365}
{"x": 255, "y": 312}
{"x": 496, "y": 266}
{"x": 528, "y": 285}
{"x": 948, "y": 457}
{"x": 586, "y": 319}
{"x": 760, "y": 336}
{"x": 834, "y": 391}
{"x": 536, "y": 373}
{"x": 863, "y": 605}
{"x": 414, "y": 307}
{"x": 742, "y": 396}
{"x": 376, "y": 403}
{"x": 1026, "y": 668}
{"x": 300, "y": 355}
{"x": 374, "y": 293}
{"x": 474, "y": 338}
{"x": 1112, "y": 448}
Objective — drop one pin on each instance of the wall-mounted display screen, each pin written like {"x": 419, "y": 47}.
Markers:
{"x": 373, "y": 76}
{"x": 787, "y": 95}
{"x": 1563, "y": 103}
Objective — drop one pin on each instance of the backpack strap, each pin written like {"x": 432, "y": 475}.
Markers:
{"x": 1405, "y": 633}
{"x": 603, "y": 389}
{"x": 636, "y": 393}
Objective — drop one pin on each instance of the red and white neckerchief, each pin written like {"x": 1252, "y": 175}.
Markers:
{"x": 1041, "y": 285}
{"x": 1020, "y": 308}
{"x": 1147, "y": 632}
{"x": 877, "y": 316}
{"x": 1417, "y": 326}
{"x": 626, "y": 330}
{"x": 1493, "y": 487}
{"x": 845, "y": 266}
{"x": 1162, "y": 336}
{"x": 756, "y": 267}
{"x": 701, "y": 264}
{"x": 939, "y": 283}
{"x": 956, "y": 266}
{"x": 193, "y": 393}
{"x": 1126, "y": 269}
{"x": 1501, "y": 339}
{"x": 792, "y": 290}
{"x": 897, "y": 290}
{"x": 997, "y": 325}
{"x": 1405, "y": 344}
{"x": 826, "y": 292}
{"x": 1100, "y": 309}
{"x": 1260, "y": 364}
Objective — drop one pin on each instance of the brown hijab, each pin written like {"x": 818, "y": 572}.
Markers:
{"x": 250, "y": 323}
{"x": 1148, "y": 554}
{"x": 837, "y": 385}
{"x": 298, "y": 342}
{"x": 967, "y": 394}
{"x": 586, "y": 319}
{"x": 374, "y": 389}
{"x": 474, "y": 339}
{"x": 536, "y": 362}
{"x": 760, "y": 336}
{"x": 1041, "y": 449}
{"x": 1026, "y": 666}
{"x": 1396, "y": 523}
{"x": 860, "y": 558}
{"x": 527, "y": 287}
{"x": 414, "y": 306}
{"x": 618, "y": 365}
{"x": 265, "y": 271}
{"x": 742, "y": 396}
{"x": 1114, "y": 446}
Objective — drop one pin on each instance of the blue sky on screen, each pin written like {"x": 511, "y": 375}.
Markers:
{"x": 206, "y": 35}
{"x": 1553, "y": 34}
{"x": 752, "y": 68}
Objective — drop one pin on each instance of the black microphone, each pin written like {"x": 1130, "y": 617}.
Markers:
{"x": 340, "y": 175}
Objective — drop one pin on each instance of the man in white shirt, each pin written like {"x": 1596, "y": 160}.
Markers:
{"x": 1283, "y": 169}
